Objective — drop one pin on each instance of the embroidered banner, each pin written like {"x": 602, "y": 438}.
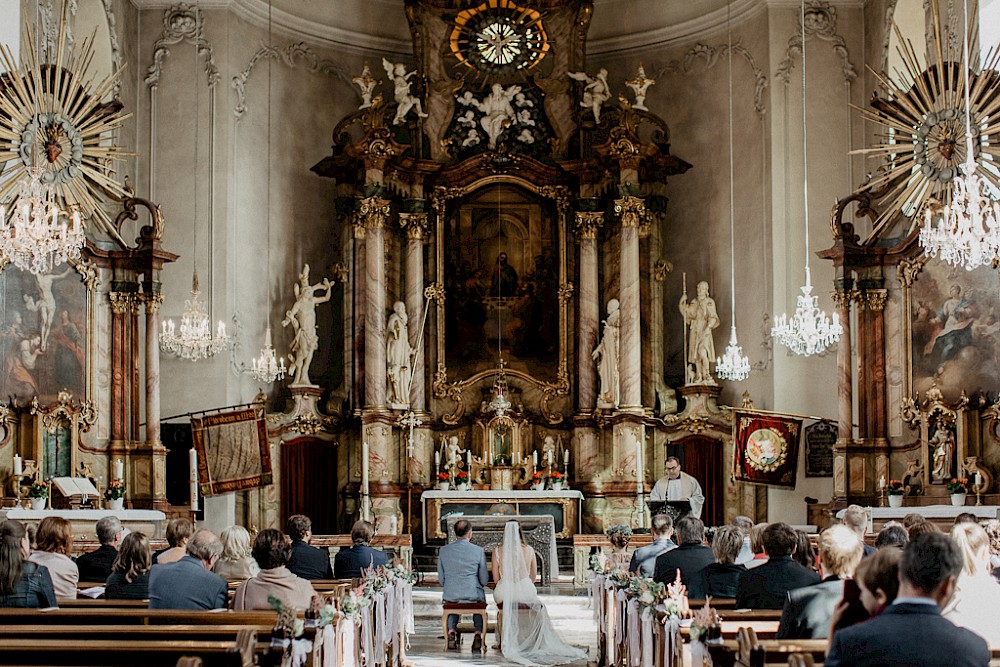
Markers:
{"x": 766, "y": 448}
{"x": 232, "y": 451}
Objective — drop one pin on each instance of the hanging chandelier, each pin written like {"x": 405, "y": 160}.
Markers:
{"x": 968, "y": 229}
{"x": 37, "y": 236}
{"x": 195, "y": 340}
{"x": 809, "y": 331}
{"x": 733, "y": 365}
{"x": 267, "y": 367}
{"x": 500, "y": 403}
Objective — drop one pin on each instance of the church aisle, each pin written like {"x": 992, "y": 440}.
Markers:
{"x": 571, "y": 615}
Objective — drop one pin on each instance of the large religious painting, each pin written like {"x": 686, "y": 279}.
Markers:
{"x": 43, "y": 334}
{"x": 954, "y": 330}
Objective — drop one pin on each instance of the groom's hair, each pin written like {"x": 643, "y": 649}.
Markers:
{"x": 662, "y": 524}
{"x": 462, "y": 528}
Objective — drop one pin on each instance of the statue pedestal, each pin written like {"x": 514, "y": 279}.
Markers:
{"x": 303, "y": 416}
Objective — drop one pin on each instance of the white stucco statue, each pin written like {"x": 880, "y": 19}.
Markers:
{"x": 398, "y": 356}
{"x": 595, "y": 93}
{"x": 639, "y": 85}
{"x": 498, "y": 113}
{"x": 302, "y": 318}
{"x": 366, "y": 83}
{"x": 701, "y": 318}
{"x": 606, "y": 355}
{"x": 401, "y": 89}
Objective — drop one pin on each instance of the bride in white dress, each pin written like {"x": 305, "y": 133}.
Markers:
{"x": 528, "y": 637}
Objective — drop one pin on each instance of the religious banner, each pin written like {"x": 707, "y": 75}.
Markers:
{"x": 233, "y": 452}
{"x": 766, "y": 448}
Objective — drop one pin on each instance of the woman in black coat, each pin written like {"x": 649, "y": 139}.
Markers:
{"x": 720, "y": 578}
{"x": 129, "y": 578}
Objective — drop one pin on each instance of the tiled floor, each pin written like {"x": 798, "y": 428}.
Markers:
{"x": 570, "y": 613}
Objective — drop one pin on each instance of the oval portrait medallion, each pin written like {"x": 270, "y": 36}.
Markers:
{"x": 766, "y": 450}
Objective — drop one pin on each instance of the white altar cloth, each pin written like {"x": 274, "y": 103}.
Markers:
{"x": 27, "y": 514}
{"x": 511, "y": 497}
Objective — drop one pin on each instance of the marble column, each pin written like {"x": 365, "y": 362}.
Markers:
{"x": 152, "y": 301}
{"x": 417, "y": 232}
{"x": 375, "y": 216}
{"x": 875, "y": 300}
{"x": 845, "y": 392}
{"x": 588, "y": 334}
{"x": 359, "y": 308}
{"x": 632, "y": 213}
{"x": 120, "y": 306}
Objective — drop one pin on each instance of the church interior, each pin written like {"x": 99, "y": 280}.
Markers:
{"x": 410, "y": 261}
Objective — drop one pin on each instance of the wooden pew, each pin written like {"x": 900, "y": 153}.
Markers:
{"x": 133, "y": 616}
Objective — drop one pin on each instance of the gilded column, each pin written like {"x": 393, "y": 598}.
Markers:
{"x": 632, "y": 213}
{"x": 875, "y": 300}
{"x": 417, "y": 232}
{"x": 374, "y": 216}
{"x": 587, "y": 226}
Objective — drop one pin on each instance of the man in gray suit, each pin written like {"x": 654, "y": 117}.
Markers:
{"x": 462, "y": 573}
{"x": 644, "y": 558}
{"x": 190, "y": 583}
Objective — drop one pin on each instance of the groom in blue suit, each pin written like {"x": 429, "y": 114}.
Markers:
{"x": 462, "y": 573}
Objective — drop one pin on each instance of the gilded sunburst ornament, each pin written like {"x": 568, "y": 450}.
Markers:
{"x": 55, "y": 118}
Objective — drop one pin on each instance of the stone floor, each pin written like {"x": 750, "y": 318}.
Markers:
{"x": 569, "y": 610}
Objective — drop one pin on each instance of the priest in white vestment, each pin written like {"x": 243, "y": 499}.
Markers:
{"x": 679, "y": 485}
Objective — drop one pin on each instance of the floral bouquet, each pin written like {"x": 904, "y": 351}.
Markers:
{"x": 958, "y": 485}
{"x": 556, "y": 477}
{"x": 706, "y": 624}
{"x": 895, "y": 488}
{"x": 115, "y": 490}
{"x": 645, "y": 590}
{"x": 536, "y": 477}
{"x": 443, "y": 476}
{"x": 38, "y": 490}
{"x": 461, "y": 477}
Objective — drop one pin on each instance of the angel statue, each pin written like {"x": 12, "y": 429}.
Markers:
{"x": 302, "y": 317}
{"x": 639, "y": 85}
{"x": 401, "y": 82}
{"x": 595, "y": 93}
{"x": 498, "y": 113}
{"x": 366, "y": 82}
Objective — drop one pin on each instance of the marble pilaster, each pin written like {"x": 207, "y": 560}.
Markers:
{"x": 631, "y": 212}
{"x": 152, "y": 302}
{"x": 359, "y": 308}
{"x": 845, "y": 393}
{"x": 120, "y": 306}
{"x": 417, "y": 231}
{"x": 374, "y": 217}
{"x": 587, "y": 226}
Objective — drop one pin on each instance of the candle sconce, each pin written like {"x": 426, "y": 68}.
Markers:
{"x": 29, "y": 473}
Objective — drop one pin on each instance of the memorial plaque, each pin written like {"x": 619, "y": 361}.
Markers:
{"x": 820, "y": 438}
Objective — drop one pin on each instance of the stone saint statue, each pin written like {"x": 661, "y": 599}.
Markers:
{"x": 302, "y": 317}
{"x": 639, "y": 85}
{"x": 943, "y": 444}
{"x": 595, "y": 93}
{"x": 606, "y": 356}
{"x": 401, "y": 87}
{"x": 498, "y": 113}
{"x": 398, "y": 355}
{"x": 366, "y": 83}
{"x": 701, "y": 317}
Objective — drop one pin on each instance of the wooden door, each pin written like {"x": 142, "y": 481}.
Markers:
{"x": 701, "y": 457}
{"x": 309, "y": 483}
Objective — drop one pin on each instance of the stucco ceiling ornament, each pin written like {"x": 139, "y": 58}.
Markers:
{"x": 182, "y": 22}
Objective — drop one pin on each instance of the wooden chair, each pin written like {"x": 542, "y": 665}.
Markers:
{"x": 462, "y": 609}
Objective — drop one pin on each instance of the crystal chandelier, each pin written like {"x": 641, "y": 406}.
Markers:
{"x": 500, "y": 403}
{"x": 37, "y": 236}
{"x": 195, "y": 339}
{"x": 267, "y": 367}
{"x": 732, "y": 365}
{"x": 809, "y": 331}
{"x": 968, "y": 231}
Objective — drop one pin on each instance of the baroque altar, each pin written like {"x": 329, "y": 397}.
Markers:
{"x": 562, "y": 506}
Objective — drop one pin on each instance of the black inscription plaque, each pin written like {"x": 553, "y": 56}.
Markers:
{"x": 820, "y": 438}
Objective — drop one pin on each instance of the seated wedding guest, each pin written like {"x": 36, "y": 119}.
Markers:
{"x": 745, "y": 525}
{"x": 765, "y": 587}
{"x": 720, "y": 577}
{"x": 271, "y": 551}
{"x": 965, "y": 517}
{"x": 96, "y": 565}
{"x": 178, "y": 533}
{"x": 856, "y": 518}
{"x": 911, "y": 520}
{"x": 878, "y": 580}
{"x": 690, "y": 557}
{"x": 306, "y": 561}
{"x": 757, "y": 546}
{"x": 977, "y": 594}
{"x": 619, "y": 536}
{"x": 348, "y": 563}
{"x": 992, "y": 528}
{"x": 189, "y": 582}
{"x": 54, "y": 550}
{"x": 129, "y": 578}
{"x": 644, "y": 558}
{"x": 808, "y": 611}
{"x": 22, "y": 583}
{"x": 32, "y": 531}
{"x": 462, "y": 573}
{"x": 918, "y": 529}
{"x": 235, "y": 563}
{"x": 892, "y": 535}
{"x": 804, "y": 554}
{"x": 911, "y": 631}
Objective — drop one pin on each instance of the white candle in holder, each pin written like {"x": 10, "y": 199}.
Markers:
{"x": 566, "y": 456}
{"x": 120, "y": 469}
{"x": 437, "y": 460}
{"x": 18, "y": 465}
{"x": 881, "y": 482}
{"x": 979, "y": 479}
{"x": 193, "y": 477}
{"x": 534, "y": 458}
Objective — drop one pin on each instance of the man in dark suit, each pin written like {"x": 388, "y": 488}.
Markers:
{"x": 766, "y": 586}
{"x": 307, "y": 561}
{"x": 96, "y": 565}
{"x": 911, "y": 631}
{"x": 644, "y": 558}
{"x": 690, "y": 557}
{"x": 349, "y": 562}
{"x": 189, "y": 583}
{"x": 808, "y": 611}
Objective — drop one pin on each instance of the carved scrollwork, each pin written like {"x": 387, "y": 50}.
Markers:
{"x": 908, "y": 270}
{"x": 182, "y": 22}
{"x": 65, "y": 412}
{"x": 566, "y": 292}
{"x": 374, "y": 212}
{"x": 662, "y": 269}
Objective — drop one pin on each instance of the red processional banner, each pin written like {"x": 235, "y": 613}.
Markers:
{"x": 766, "y": 448}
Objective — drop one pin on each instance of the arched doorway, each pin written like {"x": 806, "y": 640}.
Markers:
{"x": 309, "y": 483}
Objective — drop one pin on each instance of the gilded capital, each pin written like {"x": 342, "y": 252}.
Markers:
{"x": 374, "y": 212}
{"x": 631, "y": 211}
{"x": 152, "y": 301}
{"x": 842, "y": 298}
{"x": 588, "y": 223}
{"x": 875, "y": 299}
{"x": 121, "y": 302}
{"x": 417, "y": 225}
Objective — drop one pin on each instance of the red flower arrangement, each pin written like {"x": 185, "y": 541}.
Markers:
{"x": 443, "y": 477}
{"x": 115, "y": 490}
{"x": 958, "y": 485}
{"x": 895, "y": 488}
{"x": 462, "y": 476}
{"x": 556, "y": 476}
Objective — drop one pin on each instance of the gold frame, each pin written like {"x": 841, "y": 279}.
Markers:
{"x": 442, "y": 386}
{"x": 76, "y": 416}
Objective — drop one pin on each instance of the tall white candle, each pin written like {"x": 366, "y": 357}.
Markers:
{"x": 437, "y": 460}
{"x": 193, "y": 478}
{"x": 979, "y": 479}
{"x": 365, "y": 502}
{"x": 566, "y": 456}
{"x": 638, "y": 468}
{"x": 18, "y": 465}
{"x": 881, "y": 482}
{"x": 468, "y": 460}
{"x": 534, "y": 458}
{"x": 120, "y": 469}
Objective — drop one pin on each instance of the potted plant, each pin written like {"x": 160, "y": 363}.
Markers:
{"x": 538, "y": 481}
{"x": 443, "y": 480}
{"x": 895, "y": 492}
{"x": 115, "y": 494}
{"x": 958, "y": 487}
{"x": 556, "y": 480}
{"x": 462, "y": 480}
{"x": 38, "y": 493}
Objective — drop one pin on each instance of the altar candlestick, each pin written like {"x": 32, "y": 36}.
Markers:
{"x": 193, "y": 477}
{"x": 18, "y": 465}
{"x": 979, "y": 479}
{"x": 437, "y": 460}
{"x": 638, "y": 468}
{"x": 881, "y": 482}
{"x": 120, "y": 469}
{"x": 468, "y": 460}
{"x": 534, "y": 458}
{"x": 548, "y": 457}
{"x": 566, "y": 457}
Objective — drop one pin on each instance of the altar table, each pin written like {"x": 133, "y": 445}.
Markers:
{"x": 563, "y": 506}
{"x": 149, "y": 522}
{"x": 539, "y": 533}
{"x": 941, "y": 515}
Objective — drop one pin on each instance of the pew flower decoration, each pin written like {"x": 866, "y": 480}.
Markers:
{"x": 958, "y": 485}
{"x": 38, "y": 490}
{"x": 287, "y": 621}
{"x": 599, "y": 563}
{"x": 705, "y": 625}
{"x": 676, "y": 604}
{"x": 352, "y": 604}
{"x": 895, "y": 488}
{"x": 645, "y": 590}
{"x": 115, "y": 490}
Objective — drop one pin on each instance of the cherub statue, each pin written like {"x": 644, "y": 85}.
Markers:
{"x": 401, "y": 87}
{"x": 639, "y": 85}
{"x": 366, "y": 82}
{"x": 453, "y": 450}
{"x": 302, "y": 317}
{"x": 595, "y": 93}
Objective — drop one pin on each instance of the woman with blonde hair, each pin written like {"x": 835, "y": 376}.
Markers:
{"x": 236, "y": 563}
{"x": 977, "y": 593}
{"x": 54, "y": 548}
